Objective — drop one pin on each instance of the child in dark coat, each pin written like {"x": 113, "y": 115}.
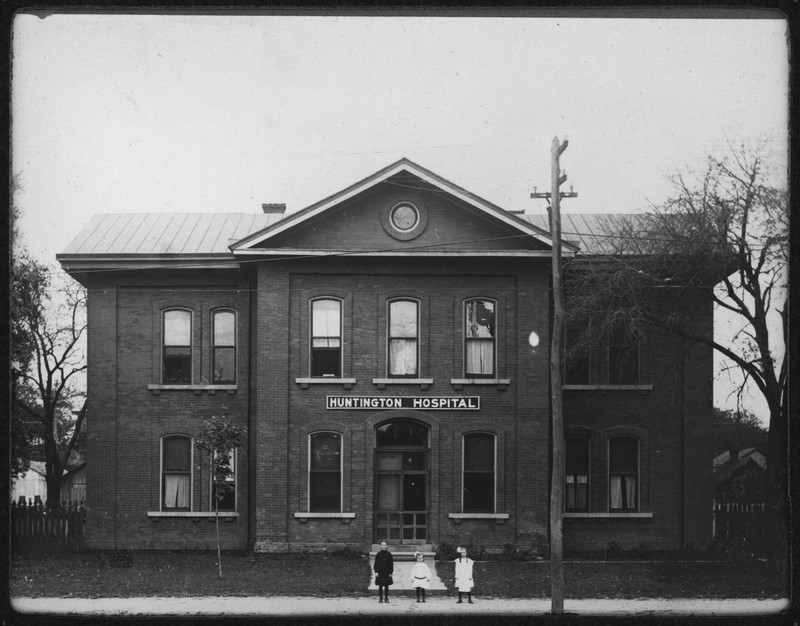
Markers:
{"x": 384, "y": 568}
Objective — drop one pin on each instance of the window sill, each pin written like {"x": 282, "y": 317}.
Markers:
{"x": 305, "y": 382}
{"x": 501, "y": 383}
{"x": 423, "y": 383}
{"x": 345, "y": 517}
{"x": 607, "y": 516}
{"x": 603, "y": 389}
{"x": 500, "y": 518}
{"x": 195, "y": 516}
{"x": 197, "y": 389}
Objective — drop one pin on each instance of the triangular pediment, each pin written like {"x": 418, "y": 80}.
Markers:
{"x": 403, "y": 209}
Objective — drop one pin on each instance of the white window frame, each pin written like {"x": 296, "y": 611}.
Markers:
{"x": 389, "y": 338}
{"x": 311, "y": 336}
{"x": 235, "y": 346}
{"x": 464, "y": 338}
{"x": 164, "y": 339}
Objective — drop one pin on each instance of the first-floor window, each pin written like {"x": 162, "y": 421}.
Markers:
{"x": 479, "y": 473}
{"x": 176, "y": 472}
{"x": 325, "y": 472}
{"x": 576, "y": 493}
{"x": 623, "y": 473}
{"x": 223, "y": 491}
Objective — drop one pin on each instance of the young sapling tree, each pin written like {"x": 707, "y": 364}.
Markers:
{"x": 219, "y": 438}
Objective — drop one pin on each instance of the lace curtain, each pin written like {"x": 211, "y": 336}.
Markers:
{"x": 623, "y": 492}
{"x": 176, "y": 491}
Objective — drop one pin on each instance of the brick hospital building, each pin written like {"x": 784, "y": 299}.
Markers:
{"x": 376, "y": 347}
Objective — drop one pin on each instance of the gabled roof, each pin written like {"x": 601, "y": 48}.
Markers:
{"x": 214, "y": 240}
{"x": 38, "y": 467}
{"x": 258, "y": 241}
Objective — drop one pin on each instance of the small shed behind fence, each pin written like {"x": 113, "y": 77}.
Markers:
{"x": 32, "y": 488}
{"x": 31, "y": 484}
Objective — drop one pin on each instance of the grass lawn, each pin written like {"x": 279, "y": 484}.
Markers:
{"x": 101, "y": 574}
{"x": 626, "y": 579}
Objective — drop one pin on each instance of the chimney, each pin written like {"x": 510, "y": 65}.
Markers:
{"x": 277, "y": 208}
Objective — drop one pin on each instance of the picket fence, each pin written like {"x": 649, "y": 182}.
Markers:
{"x": 752, "y": 523}
{"x": 36, "y": 526}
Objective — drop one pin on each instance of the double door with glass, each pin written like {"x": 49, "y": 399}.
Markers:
{"x": 401, "y": 494}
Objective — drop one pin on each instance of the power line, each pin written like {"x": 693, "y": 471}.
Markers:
{"x": 366, "y": 251}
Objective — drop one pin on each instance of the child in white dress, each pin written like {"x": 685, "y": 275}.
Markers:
{"x": 420, "y": 576}
{"x": 464, "y": 575}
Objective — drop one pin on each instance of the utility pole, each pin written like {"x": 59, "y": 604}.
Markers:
{"x": 556, "y": 394}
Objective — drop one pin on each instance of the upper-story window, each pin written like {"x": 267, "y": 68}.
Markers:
{"x": 623, "y": 357}
{"x": 223, "y": 354}
{"x": 479, "y": 473}
{"x": 325, "y": 472}
{"x": 577, "y": 361}
{"x": 623, "y": 473}
{"x": 403, "y": 338}
{"x": 326, "y": 337}
{"x": 176, "y": 359}
{"x": 480, "y": 336}
{"x": 176, "y": 473}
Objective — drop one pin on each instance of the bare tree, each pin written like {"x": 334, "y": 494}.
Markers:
{"x": 49, "y": 325}
{"x": 723, "y": 232}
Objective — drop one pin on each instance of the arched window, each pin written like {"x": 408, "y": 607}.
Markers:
{"x": 223, "y": 354}
{"x": 325, "y": 472}
{"x": 479, "y": 471}
{"x": 576, "y": 492}
{"x": 623, "y": 474}
{"x": 176, "y": 473}
{"x": 405, "y": 433}
{"x": 326, "y": 338}
{"x": 403, "y": 352}
{"x": 479, "y": 338}
{"x": 176, "y": 360}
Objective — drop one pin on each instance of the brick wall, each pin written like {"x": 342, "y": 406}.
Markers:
{"x": 128, "y": 419}
{"x": 672, "y": 421}
{"x": 293, "y": 412}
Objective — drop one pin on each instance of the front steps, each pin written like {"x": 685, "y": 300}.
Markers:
{"x": 404, "y": 552}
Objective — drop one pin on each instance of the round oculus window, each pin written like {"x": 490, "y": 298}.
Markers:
{"x": 404, "y": 216}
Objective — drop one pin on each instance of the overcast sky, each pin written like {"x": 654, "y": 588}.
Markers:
{"x": 122, "y": 113}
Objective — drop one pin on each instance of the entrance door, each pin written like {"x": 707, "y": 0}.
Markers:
{"x": 401, "y": 483}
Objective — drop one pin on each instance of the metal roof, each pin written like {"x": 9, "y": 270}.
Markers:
{"x": 165, "y": 233}
{"x": 200, "y": 234}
